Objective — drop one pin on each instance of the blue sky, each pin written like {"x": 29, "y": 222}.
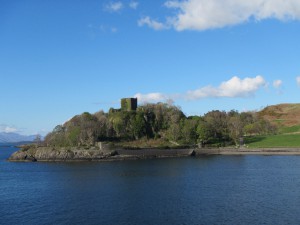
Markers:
{"x": 62, "y": 58}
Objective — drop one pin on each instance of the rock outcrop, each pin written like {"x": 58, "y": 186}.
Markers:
{"x": 93, "y": 154}
{"x": 59, "y": 154}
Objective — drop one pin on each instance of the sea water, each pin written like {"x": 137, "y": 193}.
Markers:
{"x": 204, "y": 190}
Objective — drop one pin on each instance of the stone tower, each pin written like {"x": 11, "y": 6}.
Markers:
{"x": 129, "y": 104}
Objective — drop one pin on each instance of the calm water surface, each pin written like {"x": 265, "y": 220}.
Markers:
{"x": 208, "y": 190}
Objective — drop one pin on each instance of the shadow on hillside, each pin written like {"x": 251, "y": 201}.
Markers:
{"x": 250, "y": 140}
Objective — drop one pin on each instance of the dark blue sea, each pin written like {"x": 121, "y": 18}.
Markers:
{"x": 207, "y": 190}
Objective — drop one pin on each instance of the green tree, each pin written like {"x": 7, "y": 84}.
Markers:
{"x": 235, "y": 127}
{"x": 138, "y": 124}
{"x": 203, "y": 132}
{"x": 189, "y": 130}
{"x": 217, "y": 124}
{"x": 174, "y": 132}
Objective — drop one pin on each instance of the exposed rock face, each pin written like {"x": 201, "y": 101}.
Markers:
{"x": 22, "y": 156}
{"x": 61, "y": 154}
{"x": 94, "y": 154}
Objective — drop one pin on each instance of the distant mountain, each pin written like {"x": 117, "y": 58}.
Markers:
{"x": 13, "y": 137}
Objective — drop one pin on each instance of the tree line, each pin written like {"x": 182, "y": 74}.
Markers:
{"x": 159, "y": 121}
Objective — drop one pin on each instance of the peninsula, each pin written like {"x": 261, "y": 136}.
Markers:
{"x": 162, "y": 130}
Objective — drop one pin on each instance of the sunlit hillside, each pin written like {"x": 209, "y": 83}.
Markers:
{"x": 285, "y": 116}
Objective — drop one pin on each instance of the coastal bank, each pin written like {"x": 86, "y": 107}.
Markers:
{"x": 48, "y": 154}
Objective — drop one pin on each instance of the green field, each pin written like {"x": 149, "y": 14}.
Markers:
{"x": 272, "y": 141}
{"x": 292, "y": 129}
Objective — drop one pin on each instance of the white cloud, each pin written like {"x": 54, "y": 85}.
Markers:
{"x": 233, "y": 88}
{"x": 133, "y": 5}
{"x": 151, "y": 97}
{"x": 10, "y": 129}
{"x": 152, "y": 23}
{"x": 277, "y": 83}
{"x": 114, "y": 6}
{"x": 7, "y": 129}
{"x": 204, "y": 14}
{"x": 298, "y": 80}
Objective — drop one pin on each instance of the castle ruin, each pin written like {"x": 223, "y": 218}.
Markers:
{"x": 128, "y": 104}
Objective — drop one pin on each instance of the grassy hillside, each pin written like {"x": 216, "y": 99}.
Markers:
{"x": 271, "y": 141}
{"x": 287, "y": 118}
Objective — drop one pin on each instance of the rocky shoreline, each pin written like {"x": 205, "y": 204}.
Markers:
{"x": 48, "y": 154}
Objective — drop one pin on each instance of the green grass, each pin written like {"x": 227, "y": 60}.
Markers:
{"x": 272, "y": 141}
{"x": 292, "y": 129}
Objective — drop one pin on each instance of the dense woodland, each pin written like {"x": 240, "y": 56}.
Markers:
{"x": 159, "y": 121}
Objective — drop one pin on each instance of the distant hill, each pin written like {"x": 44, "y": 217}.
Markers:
{"x": 283, "y": 115}
{"x": 14, "y": 137}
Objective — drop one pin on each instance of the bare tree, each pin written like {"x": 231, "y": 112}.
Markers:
{"x": 37, "y": 140}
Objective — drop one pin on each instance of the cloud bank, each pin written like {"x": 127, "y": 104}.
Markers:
{"x": 151, "y": 97}
{"x": 7, "y": 129}
{"x": 233, "y": 88}
{"x": 203, "y": 14}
